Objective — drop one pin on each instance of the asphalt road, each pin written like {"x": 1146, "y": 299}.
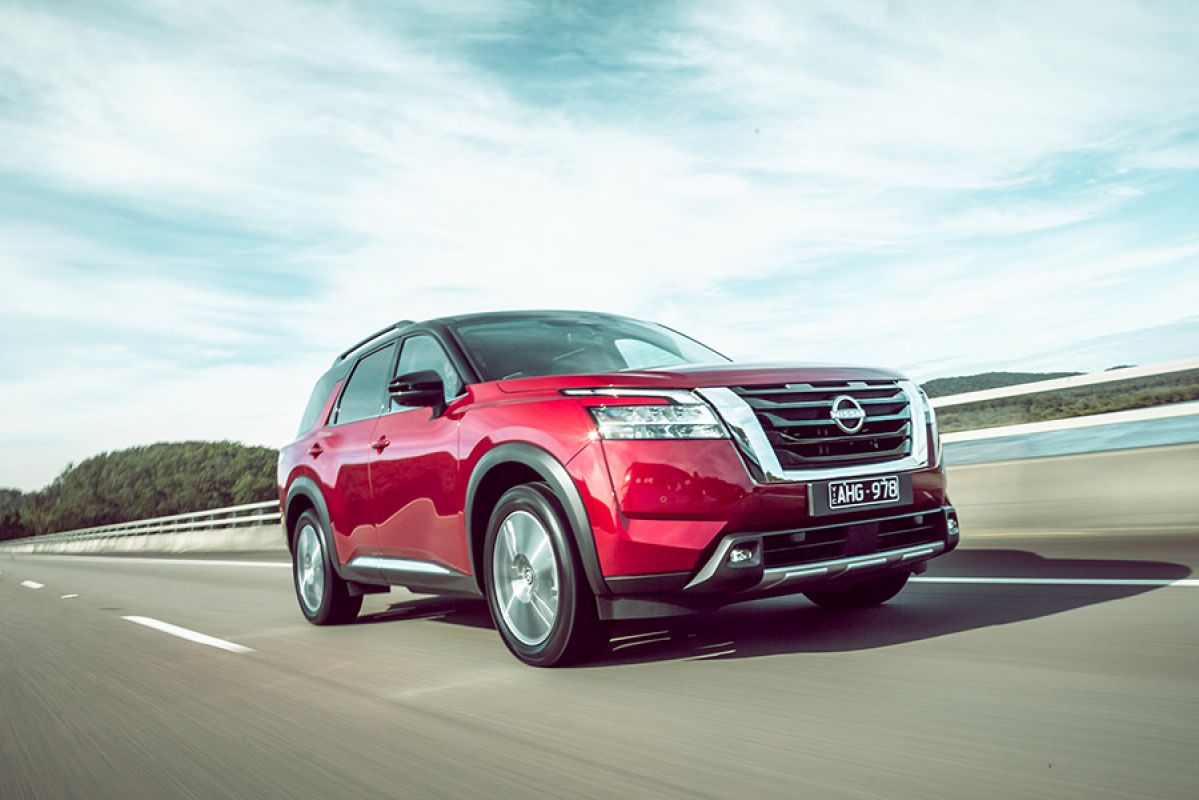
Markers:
{"x": 1058, "y": 664}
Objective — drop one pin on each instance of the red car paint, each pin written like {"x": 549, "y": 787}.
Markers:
{"x": 397, "y": 485}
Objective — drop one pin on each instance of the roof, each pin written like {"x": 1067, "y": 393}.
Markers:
{"x": 488, "y": 316}
{"x": 343, "y": 360}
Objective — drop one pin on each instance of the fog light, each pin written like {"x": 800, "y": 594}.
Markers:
{"x": 954, "y": 529}
{"x": 741, "y": 555}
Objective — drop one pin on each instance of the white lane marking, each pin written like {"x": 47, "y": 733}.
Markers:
{"x": 1063, "y": 581}
{"x": 190, "y": 635}
{"x": 202, "y": 561}
{"x": 32, "y": 584}
{"x": 69, "y": 596}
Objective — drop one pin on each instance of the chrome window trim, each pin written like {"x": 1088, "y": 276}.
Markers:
{"x": 750, "y": 437}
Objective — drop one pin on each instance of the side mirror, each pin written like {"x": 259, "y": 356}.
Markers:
{"x": 417, "y": 389}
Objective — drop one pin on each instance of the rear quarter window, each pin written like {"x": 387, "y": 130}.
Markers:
{"x": 316, "y": 402}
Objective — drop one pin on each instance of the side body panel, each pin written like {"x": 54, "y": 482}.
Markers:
{"x": 542, "y": 434}
{"x": 416, "y": 485}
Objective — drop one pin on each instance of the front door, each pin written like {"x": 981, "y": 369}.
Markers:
{"x": 416, "y": 502}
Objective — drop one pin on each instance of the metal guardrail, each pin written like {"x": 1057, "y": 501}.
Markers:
{"x": 243, "y": 516}
{"x": 267, "y": 513}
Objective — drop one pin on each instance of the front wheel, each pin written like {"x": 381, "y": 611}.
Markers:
{"x": 539, "y": 598}
{"x": 324, "y": 597}
{"x": 860, "y": 595}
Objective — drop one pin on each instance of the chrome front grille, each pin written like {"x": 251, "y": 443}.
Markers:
{"x": 797, "y": 419}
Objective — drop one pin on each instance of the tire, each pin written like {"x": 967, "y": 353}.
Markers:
{"x": 860, "y": 595}
{"x": 536, "y": 590}
{"x": 323, "y": 596}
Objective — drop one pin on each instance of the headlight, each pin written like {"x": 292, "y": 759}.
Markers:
{"x": 692, "y": 421}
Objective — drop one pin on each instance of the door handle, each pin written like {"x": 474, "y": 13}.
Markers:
{"x": 315, "y": 450}
{"x": 381, "y": 443}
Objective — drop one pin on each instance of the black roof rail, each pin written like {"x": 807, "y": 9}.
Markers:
{"x": 404, "y": 323}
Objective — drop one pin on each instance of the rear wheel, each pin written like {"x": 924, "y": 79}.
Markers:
{"x": 324, "y": 597}
{"x": 860, "y": 595}
{"x": 539, "y": 598}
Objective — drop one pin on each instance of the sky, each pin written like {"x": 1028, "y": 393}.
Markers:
{"x": 202, "y": 203}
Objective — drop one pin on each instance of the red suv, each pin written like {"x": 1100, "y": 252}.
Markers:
{"x": 581, "y": 468}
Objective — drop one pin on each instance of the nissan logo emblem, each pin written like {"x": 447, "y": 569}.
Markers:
{"x": 848, "y": 414}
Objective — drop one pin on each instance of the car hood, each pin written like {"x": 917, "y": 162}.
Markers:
{"x": 702, "y": 375}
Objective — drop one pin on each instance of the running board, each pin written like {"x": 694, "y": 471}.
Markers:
{"x": 423, "y": 577}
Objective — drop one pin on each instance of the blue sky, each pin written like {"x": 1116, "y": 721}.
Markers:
{"x": 203, "y": 202}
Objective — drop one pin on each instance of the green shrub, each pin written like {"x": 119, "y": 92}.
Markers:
{"x": 151, "y": 481}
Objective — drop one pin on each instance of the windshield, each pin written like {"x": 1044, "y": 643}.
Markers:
{"x": 533, "y": 346}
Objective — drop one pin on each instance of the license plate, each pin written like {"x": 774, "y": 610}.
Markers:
{"x": 881, "y": 490}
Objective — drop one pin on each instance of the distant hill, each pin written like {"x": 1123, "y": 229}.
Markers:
{"x": 940, "y": 387}
{"x": 1123, "y": 395}
{"x": 152, "y": 481}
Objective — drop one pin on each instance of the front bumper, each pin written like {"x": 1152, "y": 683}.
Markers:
{"x": 749, "y": 566}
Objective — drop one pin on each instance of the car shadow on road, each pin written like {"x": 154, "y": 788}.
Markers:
{"x": 922, "y": 611}
{"x": 794, "y": 625}
{"x": 468, "y": 611}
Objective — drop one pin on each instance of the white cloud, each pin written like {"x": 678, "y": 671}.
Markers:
{"x": 942, "y": 94}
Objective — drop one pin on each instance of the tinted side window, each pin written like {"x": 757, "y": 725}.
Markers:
{"x": 364, "y": 393}
{"x": 424, "y": 352}
{"x": 316, "y": 402}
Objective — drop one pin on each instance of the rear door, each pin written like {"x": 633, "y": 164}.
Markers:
{"x": 345, "y": 451}
{"x": 414, "y": 468}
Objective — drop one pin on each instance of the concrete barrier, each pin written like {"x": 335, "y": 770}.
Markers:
{"x": 1134, "y": 491}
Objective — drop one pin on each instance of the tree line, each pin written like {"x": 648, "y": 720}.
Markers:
{"x": 942, "y": 387}
{"x": 150, "y": 481}
{"x": 1155, "y": 390}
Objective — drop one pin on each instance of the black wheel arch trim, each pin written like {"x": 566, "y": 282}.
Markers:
{"x": 554, "y": 473}
{"x": 307, "y": 488}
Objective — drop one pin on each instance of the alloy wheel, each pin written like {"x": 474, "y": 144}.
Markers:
{"x": 310, "y": 568}
{"x": 525, "y": 574}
